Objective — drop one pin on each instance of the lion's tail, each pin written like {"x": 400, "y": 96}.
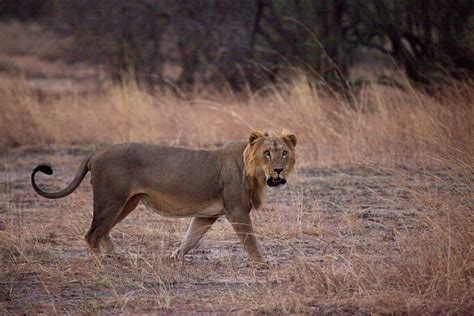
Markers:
{"x": 80, "y": 174}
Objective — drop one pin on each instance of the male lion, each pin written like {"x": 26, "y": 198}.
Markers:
{"x": 179, "y": 182}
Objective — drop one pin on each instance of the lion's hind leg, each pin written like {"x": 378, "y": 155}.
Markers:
{"x": 108, "y": 244}
{"x": 130, "y": 205}
{"x": 128, "y": 208}
{"x": 106, "y": 212}
{"x": 197, "y": 228}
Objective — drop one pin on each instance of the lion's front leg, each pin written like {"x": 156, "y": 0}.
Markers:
{"x": 197, "y": 228}
{"x": 242, "y": 224}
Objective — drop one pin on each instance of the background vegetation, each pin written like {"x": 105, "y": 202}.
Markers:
{"x": 254, "y": 41}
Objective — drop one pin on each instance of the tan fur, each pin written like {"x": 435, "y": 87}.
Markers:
{"x": 180, "y": 182}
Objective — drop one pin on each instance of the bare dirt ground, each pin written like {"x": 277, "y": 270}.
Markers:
{"x": 323, "y": 217}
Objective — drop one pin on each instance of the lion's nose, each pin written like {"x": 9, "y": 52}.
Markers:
{"x": 278, "y": 170}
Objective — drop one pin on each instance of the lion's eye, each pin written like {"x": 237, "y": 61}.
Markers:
{"x": 284, "y": 153}
{"x": 266, "y": 153}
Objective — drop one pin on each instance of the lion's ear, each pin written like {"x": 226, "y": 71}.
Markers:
{"x": 256, "y": 135}
{"x": 289, "y": 138}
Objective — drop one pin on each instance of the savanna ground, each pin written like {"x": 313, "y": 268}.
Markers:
{"x": 378, "y": 217}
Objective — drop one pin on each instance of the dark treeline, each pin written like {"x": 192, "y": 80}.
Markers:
{"x": 252, "y": 41}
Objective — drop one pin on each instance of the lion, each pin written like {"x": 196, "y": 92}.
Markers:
{"x": 180, "y": 182}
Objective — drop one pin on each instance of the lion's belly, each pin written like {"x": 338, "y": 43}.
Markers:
{"x": 178, "y": 208}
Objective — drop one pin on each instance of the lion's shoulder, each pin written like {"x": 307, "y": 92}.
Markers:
{"x": 235, "y": 148}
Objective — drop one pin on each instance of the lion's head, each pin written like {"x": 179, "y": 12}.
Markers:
{"x": 270, "y": 159}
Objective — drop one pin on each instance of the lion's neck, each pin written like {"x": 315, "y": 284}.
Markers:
{"x": 256, "y": 191}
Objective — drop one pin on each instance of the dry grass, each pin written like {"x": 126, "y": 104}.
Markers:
{"x": 378, "y": 219}
{"x": 387, "y": 125}
{"x": 344, "y": 239}
{"x": 422, "y": 264}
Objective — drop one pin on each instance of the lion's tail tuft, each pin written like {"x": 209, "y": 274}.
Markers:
{"x": 46, "y": 169}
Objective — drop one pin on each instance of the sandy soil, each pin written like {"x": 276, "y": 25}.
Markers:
{"x": 323, "y": 213}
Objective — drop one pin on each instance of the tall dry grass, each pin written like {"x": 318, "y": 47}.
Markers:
{"x": 422, "y": 265}
{"x": 384, "y": 124}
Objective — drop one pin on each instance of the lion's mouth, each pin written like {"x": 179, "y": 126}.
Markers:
{"x": 271, "y": 182}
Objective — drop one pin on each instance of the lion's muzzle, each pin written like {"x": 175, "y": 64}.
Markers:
{"x": 271, "y": 182}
